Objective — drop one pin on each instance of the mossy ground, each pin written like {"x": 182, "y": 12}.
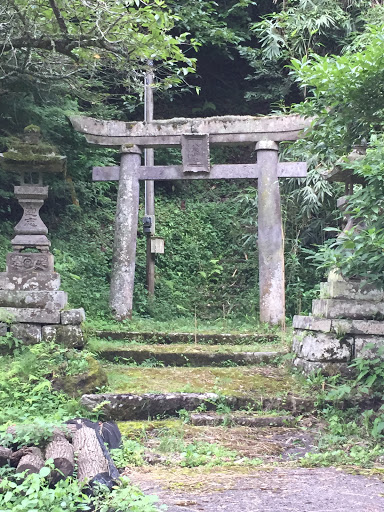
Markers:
{"x": 194, "y": 480}
{"x": 254, "y": 449}
{"x": 100, "y": 345}
{"x": 248, "y": 442}
{"x": 234, "y": 381}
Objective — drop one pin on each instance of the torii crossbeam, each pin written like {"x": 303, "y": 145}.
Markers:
{"x": 195, "y": 137}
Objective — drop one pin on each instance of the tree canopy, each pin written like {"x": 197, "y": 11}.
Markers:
{"x": 84, "y": 42}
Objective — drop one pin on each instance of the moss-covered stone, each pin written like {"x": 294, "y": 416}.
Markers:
{"x": 233, "y": 381}
{"x": 87, "y": 382}
{"x": 31, "y": 151}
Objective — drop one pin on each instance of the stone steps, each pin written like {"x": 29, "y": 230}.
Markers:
{"x": 129, "y": 406}
{"x": 142, "y": 392}
{"x": 183, "y": 337}
{"x": 163, "y": 378}
{"x": 187, "y": 355}
{"x": 239, "y": 381}
{"x": 213, "y": 419}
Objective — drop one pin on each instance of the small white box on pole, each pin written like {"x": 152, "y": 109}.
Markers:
{"x": 157, "y": 245}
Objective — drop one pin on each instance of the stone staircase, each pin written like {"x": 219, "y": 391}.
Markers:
{"x": 152, "y": 380}
{"x": 201, "y": 412}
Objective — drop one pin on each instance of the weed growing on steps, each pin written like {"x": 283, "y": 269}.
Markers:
{"x": 239, "y": 381}
{"x": 176, "y": 324}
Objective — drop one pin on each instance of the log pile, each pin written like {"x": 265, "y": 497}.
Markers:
{"x": 80, "y": 443}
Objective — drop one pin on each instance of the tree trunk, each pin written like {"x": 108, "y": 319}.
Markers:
{"x": 32, "y": 462}
{"x": 90, "y": 457}
{"x": 61, "y": 451}
{"x": 5, "y": 455}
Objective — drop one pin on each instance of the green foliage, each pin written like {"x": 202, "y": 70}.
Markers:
{"x": 32, "y": 493}
{"x": 125, "y": 497}
{"x": 320, "y": 26}
{"x": 131, "y": 454}
{"x": 206, "y": 454}
{"x": 351, "y": 435}
{"x": 370, "y": 372}
{"x": 359, "y": 252}
{"x": 345, "y": 94}
{"x": 78, "y": 43}
{"x": 25, "y": 383}
{"x": 357, "y": 455}
{"x": 34, "y": 433}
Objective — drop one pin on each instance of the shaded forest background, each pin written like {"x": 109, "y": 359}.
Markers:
{"x": 210, "y": 58}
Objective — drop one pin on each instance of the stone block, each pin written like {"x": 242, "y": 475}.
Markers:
{"x": 30, "y": 315}
{"x": 29, "y": 334}
{"x": 128, "y": 407}
{"x": 353, "y": 290}
{"x": 73, "y": 316}
{"x": 88, "y": 382}
{"x": 370, "y": 352}
{"x": 312, "y": 323}
{"x": 349, "y": 309}
{"x": 322, "y": 347}
{"x": 20, "y": 262}
{"x": 3, "y": 329}
{"x": 70, "y": 336}
{"x": 49, "y": 300}
{"x": 27, "y": 281}
{"x": 328, "y": 369}
{"x": 369, "y": 327}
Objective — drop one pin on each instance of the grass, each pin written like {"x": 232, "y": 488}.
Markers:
{"x": 247, "y": 325}
{"x": 235, "y": 381}
{"x": 174, "y": 443}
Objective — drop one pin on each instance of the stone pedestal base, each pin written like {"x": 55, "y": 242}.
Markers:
{"x": 31, "y": 326}
{"x": 345, "y": 319}
{"x": 31, "y": 304}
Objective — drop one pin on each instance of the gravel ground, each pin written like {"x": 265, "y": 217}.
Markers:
{"x": 278, "y": 490}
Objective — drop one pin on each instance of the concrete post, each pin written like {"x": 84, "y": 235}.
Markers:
{"x": 270, "y": 236}
{"x": 124, "y": 249}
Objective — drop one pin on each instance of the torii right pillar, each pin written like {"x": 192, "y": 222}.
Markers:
{"x": 270, "y": 236}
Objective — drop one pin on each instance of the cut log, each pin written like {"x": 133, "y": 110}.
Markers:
{"x": 90, "y": 457}
{"x": 32, "y": 462}
{"x": 5, "y": 455}
{"x": 17, "y": 456}
{"x": 61, "y": 451}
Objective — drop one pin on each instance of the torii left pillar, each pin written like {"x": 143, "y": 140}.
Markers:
{"x": 124, "y": 248}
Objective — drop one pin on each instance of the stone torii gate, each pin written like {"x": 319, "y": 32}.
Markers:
{"x": 195, "y": 137}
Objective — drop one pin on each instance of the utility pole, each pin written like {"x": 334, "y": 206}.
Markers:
{"x": 149, "y": 184}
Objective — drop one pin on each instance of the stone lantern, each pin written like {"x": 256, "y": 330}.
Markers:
{"x": 342, "y": 173}
{"x": 31, "y": 303}
{"x": 348, "y": 315}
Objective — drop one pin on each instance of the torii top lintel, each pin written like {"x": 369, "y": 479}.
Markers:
{"x": 168, "y": 132}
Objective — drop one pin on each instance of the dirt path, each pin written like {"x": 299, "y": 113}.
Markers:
{"x": 277, "y": 490}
